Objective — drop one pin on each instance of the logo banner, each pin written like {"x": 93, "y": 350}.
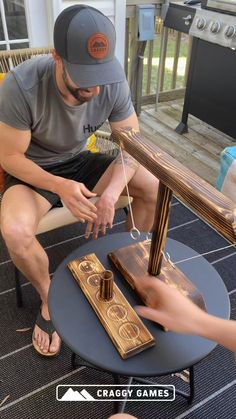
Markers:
{"x": 115, "y": 392}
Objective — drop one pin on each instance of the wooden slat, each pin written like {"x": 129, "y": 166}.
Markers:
{"x": 149, "y": 67}
{"x": 168, "y": 95}
{"x": 139, "y": 80}
{"x": 171, "y": 116}
{"x": 169, "y": 145}
{"x": 176, "y": 60}
{"x": 178, "y": 142}
{"x": 173, "y": 143}
{"x": 206, "y": 151}
{"x": 213, "y": 135}
{"x": 162, "y": 62}
{"x": 165, "y": 96}
{"x": 137, "y": 2}
{"x": 127, "y": 51}
{"x": 190, "y": 42}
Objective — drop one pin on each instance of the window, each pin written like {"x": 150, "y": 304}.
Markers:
{"x": 13, "y": 26}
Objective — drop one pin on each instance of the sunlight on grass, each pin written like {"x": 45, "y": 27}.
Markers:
{"x": 169, "y": 64}
{"x": 170, "y": 53}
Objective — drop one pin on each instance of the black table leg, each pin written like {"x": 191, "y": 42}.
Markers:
{"x": 19, "y": 300}
{"x": 189, "y": 396}
{"x": 119, "y": 407}
{"x": 75, "y": 364}
{"x": 191, "y": 385}
{"x": 73, "y": 361}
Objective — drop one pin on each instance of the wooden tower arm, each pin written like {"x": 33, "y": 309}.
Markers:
{"x": 211, "y": 205}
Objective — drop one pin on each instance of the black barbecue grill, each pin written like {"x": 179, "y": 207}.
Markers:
{"x": 211, "y": 85}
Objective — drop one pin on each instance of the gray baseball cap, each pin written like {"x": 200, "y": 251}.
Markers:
{"x": 85, "y": 40}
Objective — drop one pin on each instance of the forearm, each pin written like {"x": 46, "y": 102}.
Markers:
{"x": 118, "y": 178}
{"x": 219, "y": 330}
{"x": 29, "y": 172}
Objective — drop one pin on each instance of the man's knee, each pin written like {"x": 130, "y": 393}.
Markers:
{"x": 18, "y": 235}
{"x": 148, "y": 187}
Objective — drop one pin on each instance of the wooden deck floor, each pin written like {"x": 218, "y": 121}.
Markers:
{"x": 199, "y": 149}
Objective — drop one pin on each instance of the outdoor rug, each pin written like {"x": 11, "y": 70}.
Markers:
{"x": 28, "y": 382}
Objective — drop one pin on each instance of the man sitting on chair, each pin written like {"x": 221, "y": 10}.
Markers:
{"x": 49, "y": 106}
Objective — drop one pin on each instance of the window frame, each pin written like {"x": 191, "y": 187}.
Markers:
{"x": 8, "y": 42}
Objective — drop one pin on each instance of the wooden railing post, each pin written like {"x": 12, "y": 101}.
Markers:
{"x": 162, "y": 60}
{"x": 136, "y": 68}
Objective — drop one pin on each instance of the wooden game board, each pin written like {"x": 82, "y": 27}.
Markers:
{"x": 132, "y": 262}
{"x": 124, "y": 327}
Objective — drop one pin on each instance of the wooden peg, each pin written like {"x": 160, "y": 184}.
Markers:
{"x": 106, "y": 286}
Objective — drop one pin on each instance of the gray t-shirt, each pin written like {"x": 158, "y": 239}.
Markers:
{"x": 29, "y": 99}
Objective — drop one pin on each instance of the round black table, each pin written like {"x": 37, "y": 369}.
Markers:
{"x": 80, "y": 328}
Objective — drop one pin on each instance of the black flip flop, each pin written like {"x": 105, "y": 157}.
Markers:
{"x": 47, "y": 327}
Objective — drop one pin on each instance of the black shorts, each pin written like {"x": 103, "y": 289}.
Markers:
{"x": 86, "y": 168}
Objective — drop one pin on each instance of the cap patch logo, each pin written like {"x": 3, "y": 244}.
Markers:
{"x": 98, "y": 46}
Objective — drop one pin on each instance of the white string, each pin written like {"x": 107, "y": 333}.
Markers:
{"x": 202, "y": 219}
{"x": 134, "y": 228}
{"x": 200, "y": 255}
{"x": 126, "y": 186}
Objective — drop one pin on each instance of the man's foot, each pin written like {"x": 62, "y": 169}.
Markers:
{"x": 45, "y": 339}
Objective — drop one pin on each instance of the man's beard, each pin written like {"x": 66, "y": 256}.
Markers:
{"x": 75, "y": 92}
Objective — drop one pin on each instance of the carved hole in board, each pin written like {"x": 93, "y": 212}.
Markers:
{"x": 117, "y": 312}
{"x": 87, "y": 266}
{"x": 104, "y": 301}
{"x": 94, "y": 280}
{"x": 129, "y": 331}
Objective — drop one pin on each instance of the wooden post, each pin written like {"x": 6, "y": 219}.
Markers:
{"x": 106, "y": 286}
{"x": 149, "y": 67}
{"x": 159, "y": 229}
{"x": 161, "y": 66}
{"x": 136, "y": 67}
{"x": 190, "y": 43}
{"x": 139, "y": 80}
{"x": 176, "y": 60}
{"x": 127, "y": 39}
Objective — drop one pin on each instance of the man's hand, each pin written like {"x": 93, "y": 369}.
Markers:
{"x": 105, "y": 215}
{"x": 75, "y": 196}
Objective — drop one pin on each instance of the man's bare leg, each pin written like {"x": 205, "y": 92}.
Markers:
{"x": 21, "y": 211}
{"x": 143, "y": 187}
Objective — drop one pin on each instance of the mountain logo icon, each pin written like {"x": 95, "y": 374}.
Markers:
{"x": 98, "y": 46}
{"x": 76, "y": 396}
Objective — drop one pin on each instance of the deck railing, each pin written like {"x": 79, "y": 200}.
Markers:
{"x": 157, "y": 70}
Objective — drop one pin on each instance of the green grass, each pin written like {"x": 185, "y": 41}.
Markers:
{"x": 168, "y": 72}
{"x": 169, "y": 55}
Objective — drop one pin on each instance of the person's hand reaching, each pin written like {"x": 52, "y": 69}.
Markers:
{"x": 168, "y": 307}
